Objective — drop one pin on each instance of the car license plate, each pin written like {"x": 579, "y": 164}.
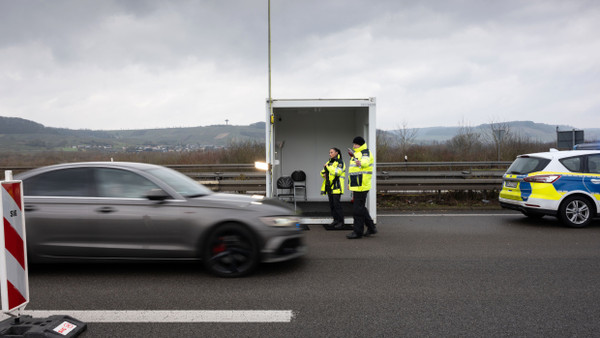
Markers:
{"x": 511, "y": 184}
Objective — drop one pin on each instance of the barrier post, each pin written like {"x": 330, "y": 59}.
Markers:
{"x": 14, "y": 276}
{"x": 13, "y": 256}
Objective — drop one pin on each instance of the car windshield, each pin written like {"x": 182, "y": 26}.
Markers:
{"x": 184, "y": 185}
{"x": 525, "y": 165}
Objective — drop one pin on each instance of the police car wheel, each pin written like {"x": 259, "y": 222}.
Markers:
{"x": 231, "y": 250}
{"x": 576, "y": 212}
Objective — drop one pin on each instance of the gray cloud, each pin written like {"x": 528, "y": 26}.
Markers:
{"x": 142, "y": 64}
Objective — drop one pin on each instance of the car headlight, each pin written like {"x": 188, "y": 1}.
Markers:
{"x": 281, "y": 221}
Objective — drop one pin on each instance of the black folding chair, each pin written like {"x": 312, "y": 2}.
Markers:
{"x": 299, "y": 178}
{"x": 285, "y": 189}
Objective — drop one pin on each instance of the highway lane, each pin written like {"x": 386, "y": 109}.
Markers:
{"x": 491, "y": 274}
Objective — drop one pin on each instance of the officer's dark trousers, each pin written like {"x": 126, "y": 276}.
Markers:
{"x": 361, "y": 214}
{"x": 336, "y": 208}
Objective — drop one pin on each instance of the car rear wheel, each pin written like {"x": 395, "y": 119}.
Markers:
{"x": 231, "y": 250}
{"x": 576, "y": 212}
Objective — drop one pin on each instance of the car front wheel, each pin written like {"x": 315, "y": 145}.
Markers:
{"x": 576, "y": 212}
{"x": 231, "y": 250}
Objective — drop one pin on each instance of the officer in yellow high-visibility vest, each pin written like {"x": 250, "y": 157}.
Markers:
{"x": 360, "y": 171}
{"x": 333, "y": 174}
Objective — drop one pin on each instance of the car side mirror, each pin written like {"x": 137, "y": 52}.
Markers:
{"x": 157, "y": 195}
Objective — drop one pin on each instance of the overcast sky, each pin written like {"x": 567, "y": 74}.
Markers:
{"x": 132, "y": 64}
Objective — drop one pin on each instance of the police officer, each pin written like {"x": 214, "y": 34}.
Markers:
{"x": 333, "y": 174}
{"x": 360, "y": 171}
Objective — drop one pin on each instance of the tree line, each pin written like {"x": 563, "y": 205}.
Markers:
{"x": 497, "y": 143}
{"x": 469, "y": 144}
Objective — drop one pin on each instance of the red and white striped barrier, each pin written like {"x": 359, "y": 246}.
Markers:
{"x": 14, "y": 280}
{"x": 13, "y": 249}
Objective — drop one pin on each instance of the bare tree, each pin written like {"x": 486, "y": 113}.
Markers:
{"x": 466, "y": 143}
{"x": 385, "y": 146}
{"x": 406, "y": 137}
{"x": 498, "y": 133}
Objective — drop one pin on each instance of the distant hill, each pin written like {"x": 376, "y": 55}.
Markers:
{"x": 19, "y": 135}
{"x": 527, "y": 129}
{"x": 216, "y": 135}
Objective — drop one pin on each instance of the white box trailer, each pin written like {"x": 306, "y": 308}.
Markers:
{"x": 300, "y": 133}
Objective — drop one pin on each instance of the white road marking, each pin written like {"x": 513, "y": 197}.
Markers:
{"x": 446, "y": 215}
{"x": 177, "y": 316}
{"x": 349, "y": 220}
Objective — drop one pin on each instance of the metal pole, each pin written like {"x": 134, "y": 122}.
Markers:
{"x": 270, "y": 160}
{"x": 499, "y": 147}
{"x": 499, "y": 138}
{"x": 269, "y": 27}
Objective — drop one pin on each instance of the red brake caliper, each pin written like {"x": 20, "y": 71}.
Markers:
{"x": 219, "y": 247}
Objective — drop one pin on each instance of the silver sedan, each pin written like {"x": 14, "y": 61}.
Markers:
{"x": 106, "y": 211}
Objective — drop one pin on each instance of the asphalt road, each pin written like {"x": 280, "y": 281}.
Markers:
{"x": 497, "y": 274}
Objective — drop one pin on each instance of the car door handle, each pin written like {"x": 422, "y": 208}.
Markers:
{"x": 595, "y": 181}
{"x": 29, "y": 208}
{"x": 106, "y": 210}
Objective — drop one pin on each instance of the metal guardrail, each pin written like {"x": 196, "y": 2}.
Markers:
{"x": 392, "y": 177}
{"x": 473, "y": 164}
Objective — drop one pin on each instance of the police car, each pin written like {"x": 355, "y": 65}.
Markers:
{"x": 565, "y": 184}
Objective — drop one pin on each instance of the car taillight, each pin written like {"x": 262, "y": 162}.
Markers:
{"x": 542, "y": 178}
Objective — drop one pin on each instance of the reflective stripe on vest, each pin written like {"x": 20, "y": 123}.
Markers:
{"x": 361, "y": 172}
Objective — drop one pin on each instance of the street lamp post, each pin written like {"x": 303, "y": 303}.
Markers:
{"x": 499, "y": 136}
{"x": 269, "y": 187}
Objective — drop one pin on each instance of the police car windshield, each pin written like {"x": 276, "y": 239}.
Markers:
{"x": 525, "y": 165}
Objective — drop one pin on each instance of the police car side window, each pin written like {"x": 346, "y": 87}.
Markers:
{"x": 594, "y": 164}
{"x": 574, "y": 164}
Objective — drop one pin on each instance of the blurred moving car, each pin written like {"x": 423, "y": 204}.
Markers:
{"x": 109, "y": 211}
{"x": 565, "y": 184}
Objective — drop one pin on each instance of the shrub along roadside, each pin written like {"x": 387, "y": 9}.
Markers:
{"x": 452, "y": 200}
